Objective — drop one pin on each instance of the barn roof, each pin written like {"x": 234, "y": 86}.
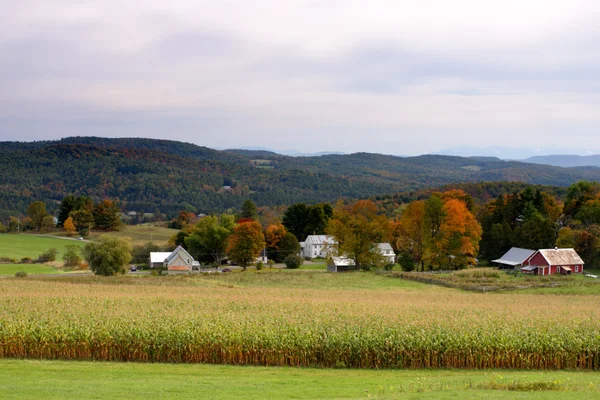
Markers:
{"x": 158, "y": 257}
{"x": 561, "y": 257}
{"x": 515, "y": 256}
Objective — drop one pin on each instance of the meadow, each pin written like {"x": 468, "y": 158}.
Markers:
{"x": 13, "y": 246}
{"x": 140, "y": 234}
{"x": 308, "y": 319}
{"x": 11, "y": 269}
{"x": 35, "y": 379}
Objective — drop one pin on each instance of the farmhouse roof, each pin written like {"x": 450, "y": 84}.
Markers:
{"x": 561, "y": 257}
{"x": 319, "y": 239}
{"x": 385, "y": 246}
{"x": 515, "y": 256}
{"x": 158, "y": 257}
{"x": 178, "y": 250}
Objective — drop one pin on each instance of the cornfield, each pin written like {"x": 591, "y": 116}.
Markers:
{"x": 212, "y": 322}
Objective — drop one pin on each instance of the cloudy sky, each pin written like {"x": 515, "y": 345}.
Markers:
{"x": 395, "y": 76}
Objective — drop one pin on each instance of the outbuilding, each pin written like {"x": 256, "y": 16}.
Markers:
{"x": 340, "y": 264}
{"x": 514, "y": 258}
{"x": 554, "y": 261}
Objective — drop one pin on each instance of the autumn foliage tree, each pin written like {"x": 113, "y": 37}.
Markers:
{"x": 358, "y": 228}
{"x": 280, "y": 243}
{"x": 457, "y": 242}
{"x": 245, "y": 243}
{"x": 106, "y": 215}
{"x": 69, "y": 226}
{"x": 410, "y": 232}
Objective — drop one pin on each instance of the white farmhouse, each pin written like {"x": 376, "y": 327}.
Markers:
{"x": 318, "y": 246}
{"x": 386, "y": 250}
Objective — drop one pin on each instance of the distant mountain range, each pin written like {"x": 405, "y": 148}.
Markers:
{"x": 566, "y": 160}
{"x": 145, "y": 174}
{"x": 291, "y": 153}
{"x": 515, "y": 153}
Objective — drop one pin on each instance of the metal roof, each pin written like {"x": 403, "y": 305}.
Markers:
{"x": 529, "y": 268}
{"x": 158, "y": 257}
{"x": 319, "y": 239}
{"x": 385, "y": 246}
{"x": 561, "y": 257}
{"x": 342, "y": 261}
{"x": 515, "y": 256}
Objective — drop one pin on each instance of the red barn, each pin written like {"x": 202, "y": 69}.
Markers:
{"x": 553, "y": 261}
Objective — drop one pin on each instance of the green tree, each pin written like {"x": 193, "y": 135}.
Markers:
{"x": 108, "y": 256}
{"x": 141, "y": 254}
{"x": 536, "y": 232}
{"x": 293, "y": 262}
{"x": 71, "y": 203}
{"x": 209, "y": 236}
{"x": 246, "y": 243}
{"x": 47, "y": 223}
{"x": 249, "y": 210}
{"x": 358, "y": 228}
{"x": 106, "y": 215}
{"x": 317, "y": 219}
{"x": 294, "y": 219}
{"x": 67, "y": 205}
{"x": 72, "y": 256}
{"x": 37, "y": 212}
{"x": 83, "y": 220}
{"x": 566, "y": 238}
{"x": 288, "y": 246}
{"x": 578, "y": 195}
{"x": 13, "y": 224}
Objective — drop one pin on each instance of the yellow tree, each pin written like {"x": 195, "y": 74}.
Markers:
{"x": 245, "y": 243}
{"x": 410, "y": 231}
{"x": 358, "y": 228}
{"x": 69, "y": 226}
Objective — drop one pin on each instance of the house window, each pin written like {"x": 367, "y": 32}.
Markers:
{"x": 558, "y": 270}
{"x": 577, "y": 268}
{"x": 188, "y": 260}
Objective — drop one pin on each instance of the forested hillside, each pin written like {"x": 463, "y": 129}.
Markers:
{"x": 145, "y": 174}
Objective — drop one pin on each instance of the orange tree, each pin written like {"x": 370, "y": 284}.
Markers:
{"x": 457, "y": 242}
{"x": 245, "y": 243}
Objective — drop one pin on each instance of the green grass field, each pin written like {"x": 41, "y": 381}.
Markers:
{"x": 140, "y": 234}
{"x": 20, "y": 246}
{"x": 23, "y": 379}
{"x": 31, "y": 269}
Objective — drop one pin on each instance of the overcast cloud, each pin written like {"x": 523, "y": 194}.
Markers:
{"x": 395, "y": 77}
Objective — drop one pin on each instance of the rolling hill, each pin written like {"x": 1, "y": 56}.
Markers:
{"x": 145, "y": 174}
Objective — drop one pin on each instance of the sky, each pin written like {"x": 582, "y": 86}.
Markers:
{"x": 387, "y": 76}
